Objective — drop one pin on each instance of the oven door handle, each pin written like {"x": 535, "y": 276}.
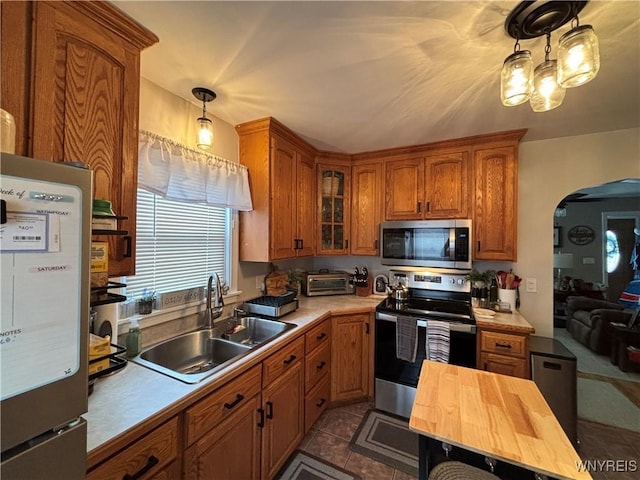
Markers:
{"x": 453, "y": 326}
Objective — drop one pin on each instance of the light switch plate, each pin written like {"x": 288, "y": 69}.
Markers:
{"x": 531, "y": 285}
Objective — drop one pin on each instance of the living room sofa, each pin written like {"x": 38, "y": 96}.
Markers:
{"x": 588, "y": 321}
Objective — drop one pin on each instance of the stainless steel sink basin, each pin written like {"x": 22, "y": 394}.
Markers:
{"x": 193, "y": 356}
{"x": 255, "y": 331}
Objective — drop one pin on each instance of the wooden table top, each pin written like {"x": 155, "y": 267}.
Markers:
{"x": 503, "y": 417}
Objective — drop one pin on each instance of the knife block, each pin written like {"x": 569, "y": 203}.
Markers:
{"x": 367, "y": 290}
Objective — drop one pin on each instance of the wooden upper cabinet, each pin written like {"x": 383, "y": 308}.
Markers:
{"x": 366, "y": 208}
{"x": 404, "y": 182}
{"x": 448, "y": 184}
{"x": 333, "y": 187}
{"x": 85, "y": 81}
{"x": 306, "y": 180}
{"x": 496, "y": 200}
{"x": 282, "y": 181}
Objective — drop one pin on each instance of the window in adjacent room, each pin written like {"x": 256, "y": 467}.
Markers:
{"x": 613, "y": 251}
{"x": 178, "y": 244}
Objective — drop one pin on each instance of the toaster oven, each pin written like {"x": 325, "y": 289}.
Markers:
{"x": 327, "y": 282}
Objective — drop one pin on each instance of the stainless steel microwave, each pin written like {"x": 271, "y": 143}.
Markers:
{"x": 427, "y": 243}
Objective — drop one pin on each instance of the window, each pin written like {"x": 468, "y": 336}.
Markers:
{"x": 613, "y": 252}
{"x": 178, "y": 244}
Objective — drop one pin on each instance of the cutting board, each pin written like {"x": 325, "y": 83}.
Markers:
{"x": 275, "y": 283}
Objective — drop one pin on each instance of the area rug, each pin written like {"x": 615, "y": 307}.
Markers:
{"x": 387, "y": 440}
{"x": 302, "y": 466}
{"x": 590, "y": 362}
{"x": 602, "y": 402}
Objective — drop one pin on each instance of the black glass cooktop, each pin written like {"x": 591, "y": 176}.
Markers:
{"x": 454, "y": 308}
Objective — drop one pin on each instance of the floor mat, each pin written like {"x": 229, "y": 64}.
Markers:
{"x": 387, "y": 440}
{"x": 302, "y": 466}
{"x": 601, "y": 402}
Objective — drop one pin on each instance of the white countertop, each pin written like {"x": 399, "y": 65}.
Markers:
{"x": 136, "y": 398}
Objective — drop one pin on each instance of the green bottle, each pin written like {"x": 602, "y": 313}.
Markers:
{"x": 134, "y": 338}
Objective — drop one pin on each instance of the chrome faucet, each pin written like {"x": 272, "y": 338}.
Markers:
{"x": 211, "y": 313}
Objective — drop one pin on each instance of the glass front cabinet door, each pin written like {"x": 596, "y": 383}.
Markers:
{"x": 333, "y": 209}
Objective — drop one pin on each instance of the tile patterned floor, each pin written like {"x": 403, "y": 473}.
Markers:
{"x": 329, "y": 439}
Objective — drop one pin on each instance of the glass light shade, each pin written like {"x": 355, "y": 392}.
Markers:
{"x": 578, "y": 57}
{"x": 516, "y": 79}
{"x": 205, "y": 133}
{"x": 547, "y": 94}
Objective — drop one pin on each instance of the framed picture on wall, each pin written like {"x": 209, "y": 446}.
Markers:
{"x": 557, "y": 237}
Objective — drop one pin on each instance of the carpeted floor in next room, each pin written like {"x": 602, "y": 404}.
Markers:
{"x": 329, "y": 439}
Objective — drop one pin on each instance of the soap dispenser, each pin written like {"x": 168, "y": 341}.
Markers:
{"x": 134, "y": 338}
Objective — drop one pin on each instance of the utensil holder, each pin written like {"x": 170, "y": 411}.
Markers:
{"x": 507, "y": 296}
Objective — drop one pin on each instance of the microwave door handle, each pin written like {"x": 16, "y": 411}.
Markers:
{"x": 452, "y": 244}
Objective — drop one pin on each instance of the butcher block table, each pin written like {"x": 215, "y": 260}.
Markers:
{"x": 485, "y": 414}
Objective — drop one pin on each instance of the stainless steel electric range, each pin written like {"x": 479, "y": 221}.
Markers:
{"x": 433, "y": 294}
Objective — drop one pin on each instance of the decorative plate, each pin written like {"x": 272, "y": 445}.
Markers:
{"x": 581, "y": 235}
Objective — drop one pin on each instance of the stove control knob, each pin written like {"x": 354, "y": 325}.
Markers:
{"x": 452, "y": 281}
{"x": 460, "y": 281}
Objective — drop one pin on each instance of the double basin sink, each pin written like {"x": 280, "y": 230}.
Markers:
{"x": 193, "y": 356}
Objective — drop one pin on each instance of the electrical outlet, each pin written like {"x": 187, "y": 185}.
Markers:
{"x": 531, "y": 285}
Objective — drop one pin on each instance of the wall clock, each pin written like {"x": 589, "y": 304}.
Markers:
{"x": 581, "y": 235}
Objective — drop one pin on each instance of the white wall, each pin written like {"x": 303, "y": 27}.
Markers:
{"x": 168, "y": 115}
{"x": 548, "y": 171}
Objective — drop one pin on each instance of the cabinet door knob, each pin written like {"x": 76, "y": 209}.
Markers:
{"x": 321, "y": 402}
{"x": 269, "y": 410}
{"x": 321, "y": 336}
{"x": 290, "y": 359}
{"x": 261, "y": 421}
{"x": 321, "y": 365}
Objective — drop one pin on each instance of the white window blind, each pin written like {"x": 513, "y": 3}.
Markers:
{"x": 178, "y": 244}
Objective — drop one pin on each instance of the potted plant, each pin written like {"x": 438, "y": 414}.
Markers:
{"x": 145, "y": 302}
{"x": 295, "y": 277}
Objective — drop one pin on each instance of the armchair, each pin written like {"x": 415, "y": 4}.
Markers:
{"x": 588, "y": 321}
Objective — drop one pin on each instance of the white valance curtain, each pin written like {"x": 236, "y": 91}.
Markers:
{"x": 177, "y": 172}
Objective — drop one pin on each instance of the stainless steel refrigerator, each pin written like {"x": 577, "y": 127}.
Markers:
{"x": 45, "y": 237}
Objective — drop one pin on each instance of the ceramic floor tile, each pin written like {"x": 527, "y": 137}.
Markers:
{"x": 340, "y": 423}
{"x": 367, "y": 468}
{"x": 307, "y": 439}
{"x": 329, "y": 448}
{"x": 359, "y": 408}
{"x": 399, "y": 475}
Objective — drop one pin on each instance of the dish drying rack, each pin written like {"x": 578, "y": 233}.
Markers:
{"x": 116, "y": 362}
{"x": 272, "y": 305}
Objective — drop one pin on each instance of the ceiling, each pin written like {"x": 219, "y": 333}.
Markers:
{"x": 359, "y": 76}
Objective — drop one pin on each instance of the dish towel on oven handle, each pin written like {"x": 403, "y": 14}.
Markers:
{"x": 438, "y": 341}
{"x": 407, "y": 338}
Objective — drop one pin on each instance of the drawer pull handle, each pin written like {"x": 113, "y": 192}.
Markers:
{"x": 152, "y": 462}
{"x": 238, "y": 399}
{"x": 502, "y": 345}
{"x": 321, "y": 402}
{"x": 366, "y": 328}
{"x": 127, "y": 244}
{"x": 290, "y": 359}
{"x": 261, "y": 421}
{"x": 321, "y": 365}
{"x": 321, "y": 336}
{"x": 269, "y": 410}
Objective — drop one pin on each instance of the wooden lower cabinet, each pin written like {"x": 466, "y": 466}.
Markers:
{"x": 515, "y": 367}
{"x": 283, "y": 404}
{"x": 503, "y": 352}
{"x": 152, "y": 457}
{"x": 229, "y": 451}
{"x": 351, "y": 356}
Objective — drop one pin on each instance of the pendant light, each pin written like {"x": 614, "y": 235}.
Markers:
{"x": 547, "y": 94}
{"x": 516, "y": 79}
{"x": 578, "y": 56}
{"x": 204, "y": 138}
